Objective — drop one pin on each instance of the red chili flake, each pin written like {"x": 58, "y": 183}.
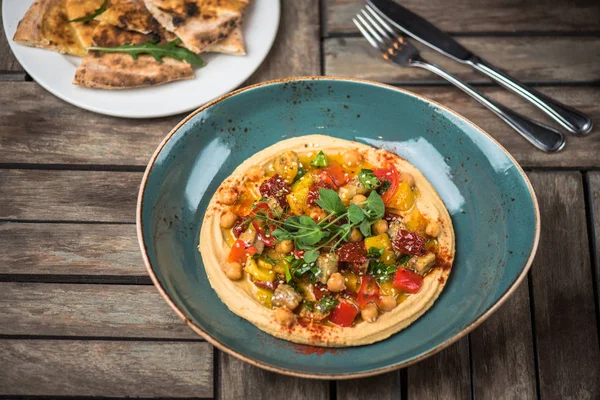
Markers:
{"x": 354, "y": 252}
{"x": 276, "y": 188}
{"x": 313, "y": 192}
{"x": 409, "y": 243}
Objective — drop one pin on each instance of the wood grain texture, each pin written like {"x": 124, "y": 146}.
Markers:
{"x": 70, "y": 249}
{"x": 43, "y": 134}
{"x": 443, "y": 376}
{"x": 491, "y": 16}
{"x": 529, "y": 59}
{"x": 380, "y": 387}
{"x": 68, "y": 195}
{"x": 239, "y": 380}
{"x": 565, "y": 319}
{"x": 502, "y": 352}
{"x": 8, "y": 62}
{"x": 594, "y": 188}
{"x": 296, "y": 50}
{"x": 105, "y": 368}
{"x": 88, "y": 310}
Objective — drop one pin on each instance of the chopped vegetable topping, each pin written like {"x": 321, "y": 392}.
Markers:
{"x": 320, "y": 160}
{"x": 408, "y": 281}
{"x": 368, "y": 179}
{"x": 343, "y": 314}
{"x": 368, "y": 292}
{"x": 354, "y": 252}
{"x": 277, "y": 188}
{"x": 326, "y": 304}
{"x": 240, "y": 251}
{"x": 409, "y": 243}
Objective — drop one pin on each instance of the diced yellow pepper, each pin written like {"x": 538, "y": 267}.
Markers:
{"x": 297, "y": 198}
{"x": 415, "y": 222}
{"x": 351, "y": 281}
{"x": 388, "y": 257}
{"x": 264, "y": 296}
{"x": 403, "y": 199}
{"x": 263, "y": 264}
{"x": 258, "y": 273}
{"x": 382, "y": 242}
{"x": 280, "y": 266}
{"x": 228, "y": 237}
{"x": 388, "y": 289}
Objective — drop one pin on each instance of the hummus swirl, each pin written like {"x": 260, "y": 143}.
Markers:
{"x": 327, "y": 242}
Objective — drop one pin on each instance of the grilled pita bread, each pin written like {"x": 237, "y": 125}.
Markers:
{"x": 198, "y": 23}
{"x": 232, "y": 44}
{"x": 46, "y": 25}
{"x": 81, "y": 8}
{"x": 119, "y": 70}
{"x": 131, "y": 15}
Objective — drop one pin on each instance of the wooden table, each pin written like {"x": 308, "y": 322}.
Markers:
{"x": 80, "y": 317}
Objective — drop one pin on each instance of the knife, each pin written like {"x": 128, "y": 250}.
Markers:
{"x": 422, "y": 30}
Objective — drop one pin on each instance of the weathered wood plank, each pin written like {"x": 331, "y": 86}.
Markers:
{"x": 239, "y": 380}
{"x": 491, "y": 16}
{"x": 529, "y": 59}
{"x": 594, "y": 188}
{"x": 88, "y": 310}
{"x": 563, "y": 297}
{"x": 502, "y": 352}
{"x": 105, "y": 368}
{"x": 69, "y": 249}
{"x": 8, "y": 62}
{"x": 68, "y": 195}
{"x": 42, "y": 133}
{"x": 380, "y": 387}
{"x": 445, "y": 375}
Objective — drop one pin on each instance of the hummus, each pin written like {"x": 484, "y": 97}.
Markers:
{"x": 327, "y": 242}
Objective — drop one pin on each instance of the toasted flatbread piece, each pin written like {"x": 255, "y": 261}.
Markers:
{"x": 119, "y": 70}
{"x": 81, "y": 8}
{"x": 198, "y": 23}
{"x": 129, "y": 14}
{"x": 232, "y": 44}
{"x": 46, "y": 25}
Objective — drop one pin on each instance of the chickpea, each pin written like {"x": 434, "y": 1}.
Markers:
{"x": 380, "y": 227}
{"x": 359, "y": 198}
{"x": 335, "y": 283}
{"x": 255, "y": 173}
{"x": 285, "y": 317}
{"x": 233, "y": 271}
{"x": 408, "y": 178}
{"x": 388, "y": 303}
{"x": 228, "y": 219}
{"x": 433, "y": 229}
{"x": 317, "y": 214}
{"x": 370, "y": 312}
{"x": 228, "y": 196}
{"x": 351, "y": 158}
{"x": 284, "y": 247}
{"x": 355, "y": 235}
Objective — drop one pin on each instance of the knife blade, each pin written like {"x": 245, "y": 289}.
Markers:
{"x": 420, "y": 29}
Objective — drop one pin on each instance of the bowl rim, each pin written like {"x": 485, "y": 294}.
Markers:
{"x": 466, "y": 330}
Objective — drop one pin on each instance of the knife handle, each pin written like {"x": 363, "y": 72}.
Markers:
{"x": 569, "y": 118}
{"x": 541, "y": 136}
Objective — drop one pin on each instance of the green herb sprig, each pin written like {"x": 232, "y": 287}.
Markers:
{"x": 89, "y": 17}
{"x": 158, "y": 51}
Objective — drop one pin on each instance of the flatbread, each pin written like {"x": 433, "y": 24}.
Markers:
{"x": 119, "y": 70}
{"x": 198, "y": 23}
{"x": 81, "y": 8}
{"x": 131, "y": 15}
{"x": 45, "y": 25}
{"x": 232, "y": 44}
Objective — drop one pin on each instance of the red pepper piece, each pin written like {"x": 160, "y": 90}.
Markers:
{"x": 343, "y": 314}
{"x": 276, "y": 188}
{"x": 407, "y": 281}
{"x": 240, "y": 251}
{"x": 268, "y": 240}
{"x": 239, "y": 227}
{"x": 298, "y": 253}
{"x": 368, "y": 292}
{"x": 409, "y": 243}
{"x": 320, "y": 290}
{"x": 313, "y": 192}
{"x": 354, "y": 252}
{"x": 388, "y": 174}
{"x": 262, "y": 206}
{"x": 337, "y": 176}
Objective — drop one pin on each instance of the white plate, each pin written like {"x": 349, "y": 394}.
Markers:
{"x": 221, "y": 74}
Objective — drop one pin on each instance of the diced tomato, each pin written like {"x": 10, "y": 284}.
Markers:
{"x": 388, "y": 174}
{"x": 262, "y": 206}
{"x": 268, "y": 240}
{"x": 407, "y": 281}
{"x": 277, "y": 188}
{"x": 239, "y": 226}
{"x": 240, "y": 251}
{"x": 320, "y": 290}
{"x": 343, "y": 314}
{"x": 354, "y": 252}
{"x": 313, "y": 192}
{"x": 409, "y": 243}
{"x": 335, "y": 174}
{"x": 368, "y": 292}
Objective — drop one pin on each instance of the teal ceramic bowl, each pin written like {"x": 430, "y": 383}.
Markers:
{"x": 492, "y": 204}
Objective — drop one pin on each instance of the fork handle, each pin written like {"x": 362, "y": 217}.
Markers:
{"x": 569, "y": 118}
{"x": 541, "y": 136}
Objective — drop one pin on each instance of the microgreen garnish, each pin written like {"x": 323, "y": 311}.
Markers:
{"x": 320, "y": 160}
{"x": 89, "y": 17}
{"x": 368, "y": 179}
{"x": 380, "y": 271}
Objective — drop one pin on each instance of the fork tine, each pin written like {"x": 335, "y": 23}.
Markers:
{"x": 381, "y": 21}
{"x": 366, "y": 34}
{"x": 386, "y": 36}
{"x": 372, "y": 31}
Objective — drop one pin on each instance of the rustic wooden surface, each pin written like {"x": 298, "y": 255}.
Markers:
{"x": 79, "y": 316}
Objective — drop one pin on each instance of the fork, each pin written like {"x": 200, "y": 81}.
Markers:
{"x": 398, "y": 50}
